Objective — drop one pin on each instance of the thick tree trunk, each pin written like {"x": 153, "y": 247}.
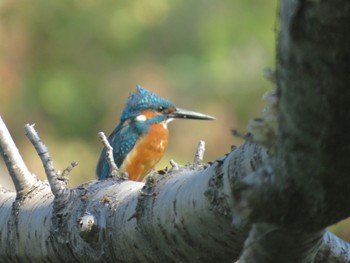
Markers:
{"x": 306, "y": 186}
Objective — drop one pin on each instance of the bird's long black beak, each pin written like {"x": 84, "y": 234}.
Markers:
{"x": 186, "y": 114}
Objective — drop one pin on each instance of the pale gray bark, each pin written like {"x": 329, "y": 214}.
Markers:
{"x": 23, "y": 180}
{"x": 184, "y": 215}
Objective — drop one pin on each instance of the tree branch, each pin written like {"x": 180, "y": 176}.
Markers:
{"x": 184, "y": 214}
{"x": 21, "y": 177}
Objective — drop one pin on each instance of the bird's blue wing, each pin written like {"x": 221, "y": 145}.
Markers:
{"x": 122, "y": 139}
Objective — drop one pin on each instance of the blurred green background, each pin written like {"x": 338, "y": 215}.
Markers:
{"x": 69, "y": 66}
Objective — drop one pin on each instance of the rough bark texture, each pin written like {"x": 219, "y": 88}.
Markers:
{"x": 311, "y": 165}
{"x": 333, "y": 250}
{"x": 306, "y": 186}
{"x": 314, "y": 105}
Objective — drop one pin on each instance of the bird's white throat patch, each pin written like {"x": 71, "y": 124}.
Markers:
{"x": 141, "y": 118}
{"x": 166, "y": 122}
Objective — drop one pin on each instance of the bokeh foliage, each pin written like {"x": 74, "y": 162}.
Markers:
{"x": 68, "y": 66}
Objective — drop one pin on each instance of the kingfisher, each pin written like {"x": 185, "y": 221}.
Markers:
{"x": 141, "y": 137}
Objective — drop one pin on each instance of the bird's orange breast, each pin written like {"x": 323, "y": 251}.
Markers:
{"x": 146, "y": 153}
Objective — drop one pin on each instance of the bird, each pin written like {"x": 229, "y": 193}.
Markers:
{"x": 141, "y": 136}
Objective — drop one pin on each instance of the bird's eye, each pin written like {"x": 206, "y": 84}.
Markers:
{"x": 160, "y": 109}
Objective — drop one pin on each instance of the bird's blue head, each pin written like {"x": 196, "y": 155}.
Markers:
{"x": 143, "y": 100}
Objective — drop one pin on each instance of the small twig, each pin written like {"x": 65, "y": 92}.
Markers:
{"x": 22, "y": 178}
{"x": 56, "y": 185}
{"x": 65, "y": 174}
{"x": 240, "y": 135}
{"x": 109, "y": 152}
{"x": 69, "y": 168}
{"x": 174, "y": 165}
{"x": 199, "y": 155}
